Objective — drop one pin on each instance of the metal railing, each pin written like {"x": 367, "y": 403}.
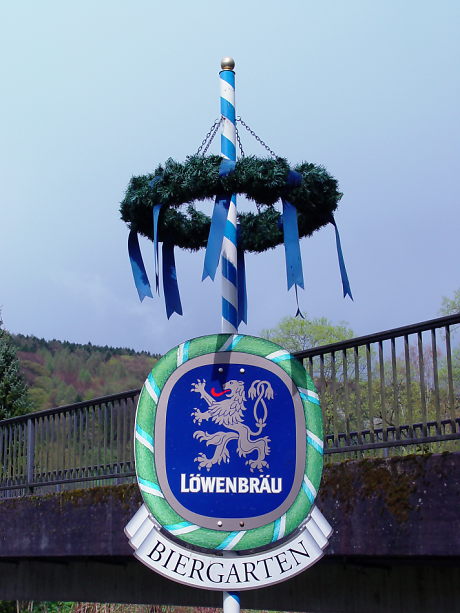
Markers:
{"x": 391, "y": 389}
{"x": 393, "y": 392}
{"x": 84, "y": 443}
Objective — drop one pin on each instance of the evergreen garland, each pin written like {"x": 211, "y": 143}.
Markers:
{"x": 262, "y": 180}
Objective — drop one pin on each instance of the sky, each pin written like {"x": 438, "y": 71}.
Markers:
{"x": 94, "y": 92}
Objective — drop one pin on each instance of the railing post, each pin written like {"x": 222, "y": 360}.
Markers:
{"x": 30, "y": 454}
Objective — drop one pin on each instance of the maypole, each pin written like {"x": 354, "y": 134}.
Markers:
{"x": 228, "y": 151}
{"x": 212, "y": 517}
{"x": 231, "y": 600}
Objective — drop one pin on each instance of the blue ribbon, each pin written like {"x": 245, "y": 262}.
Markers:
{"x": 217, "y": 229}
{"x": 170, "y": 286}
{"x": 241, "y": 281}
{"x": 226, "y": 167}
{"x": 156, "y": 214}
{"x": 298, "y": 312}
{"x": 294, "y": 178}
{"x": 343, "y": 271}
{"x": 155, "y": 180}
{"x": 294, "y": 270}
{"x": 216, "y": 236}
{"x": 137, "y": 265}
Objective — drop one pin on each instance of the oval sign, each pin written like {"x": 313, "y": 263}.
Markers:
{"x": 229, "y": 442}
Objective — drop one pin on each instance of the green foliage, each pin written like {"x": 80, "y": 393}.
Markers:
{"x": 13, "y": 389}
{"x": 30, "y": 606}
{"x": 261, "y": 180}
{"x": 296, "y": 334}
{"x": 59, "y": 372}
{"x": 451, "y": 306}
{"x": 372, "y": 387}
{"x": 95, "y": 607}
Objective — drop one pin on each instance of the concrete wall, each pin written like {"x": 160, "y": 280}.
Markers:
{"x": 396, "y": 545}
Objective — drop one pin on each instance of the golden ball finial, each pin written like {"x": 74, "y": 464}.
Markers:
{"x": 227, "y": 63}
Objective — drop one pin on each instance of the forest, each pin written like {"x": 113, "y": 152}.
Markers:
{"x": 60, "y": 372}
{"x": 387, "y": 384}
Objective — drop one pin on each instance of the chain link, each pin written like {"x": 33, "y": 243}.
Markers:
{"x": 244, "y": 124}
{"x": 203, "y": 148}
{"x": 207, "y": 140}
{"x": 216, "y": 129}
{"x": 239, "y": 142}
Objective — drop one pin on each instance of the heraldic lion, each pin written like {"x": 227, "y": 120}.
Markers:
{"x": 228, "y": 412}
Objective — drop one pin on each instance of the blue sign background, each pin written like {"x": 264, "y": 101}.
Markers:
{"x": 182, "y": 448}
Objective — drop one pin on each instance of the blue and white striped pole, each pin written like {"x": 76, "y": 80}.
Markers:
{"x": 231, "y": 601}
{"x": 228, "y": 151}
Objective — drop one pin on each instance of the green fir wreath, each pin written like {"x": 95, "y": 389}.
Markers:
{"x": 262, "y": 180}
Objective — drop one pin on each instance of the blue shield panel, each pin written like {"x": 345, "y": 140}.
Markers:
{"x": 230, "y": 441}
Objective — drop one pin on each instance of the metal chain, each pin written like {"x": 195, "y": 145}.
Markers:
{"x": 203, "y": 148}
{"x": 207, "y": 140}
{"x": 216, "y": 129}
{"x": 239, "y": 142}
{"x": 256, "y": 137}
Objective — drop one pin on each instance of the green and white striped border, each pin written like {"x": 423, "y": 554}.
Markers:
{"x": 144, "y": 444}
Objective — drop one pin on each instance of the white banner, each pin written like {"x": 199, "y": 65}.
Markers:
{"x": 227, "y": 571}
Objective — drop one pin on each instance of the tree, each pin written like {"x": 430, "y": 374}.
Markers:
{"x": 296, "y": 334}
{"x": 13, "y": 389}
{"x": 451, "y": 306}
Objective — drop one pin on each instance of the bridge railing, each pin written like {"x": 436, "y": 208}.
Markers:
{"x": 389, "y": 390}
{"x": 87, "y": 442}
{"x": 394, "y": 392}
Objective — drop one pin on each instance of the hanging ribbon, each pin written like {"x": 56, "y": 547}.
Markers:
{"x": 294, "y": 271}
{"x": 241, "y": 280}
{"x": 343, "y": 271}
{"x": 226, "y": 167}
{"x": 217, "y": 229}
{"x": 156, "y": 214}
{"x": 155, "y": 180}
{"x": 170, "y": 286}
{"x": 298, "y": 312}
{"x": 137, "y": 265}
{"x": 294, "y": 178}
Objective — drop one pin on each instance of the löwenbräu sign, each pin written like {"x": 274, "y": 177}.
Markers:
{"x": 228, "y": 452}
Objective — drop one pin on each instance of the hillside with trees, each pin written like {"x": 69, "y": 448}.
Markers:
{"x": 59, "y": 372}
